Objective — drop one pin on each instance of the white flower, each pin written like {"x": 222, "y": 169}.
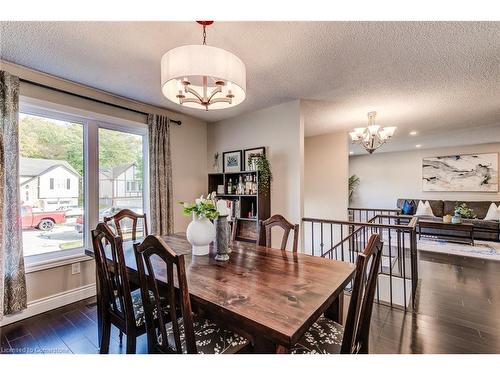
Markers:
{"x": 186, "y": 204}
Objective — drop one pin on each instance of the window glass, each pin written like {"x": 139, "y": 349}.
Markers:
{"x": 120, "y": 175}
{"x": 51, "y": 177}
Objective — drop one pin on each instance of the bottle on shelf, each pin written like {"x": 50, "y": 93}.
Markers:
{"x": 230, "y": 187}
{"x": 254, "y": 184}
{"x": 251, "y": 214}
{"x": 241, "y": 187}
{"x": 248, "y": 184}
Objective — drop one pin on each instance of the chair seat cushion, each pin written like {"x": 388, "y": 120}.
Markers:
{"x": 324, "y": 337}
{"x": 140, "y": 318}
{"x": 210, "y": 338}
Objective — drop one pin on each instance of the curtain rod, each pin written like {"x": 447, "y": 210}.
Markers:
{"x": 178, "y": 122}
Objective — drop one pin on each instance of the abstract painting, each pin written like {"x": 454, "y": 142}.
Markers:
{"x": 475, "y": 172}
{"x": 232, "y": 161}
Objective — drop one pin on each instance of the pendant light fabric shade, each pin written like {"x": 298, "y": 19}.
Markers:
{"x": 193, "y": 62}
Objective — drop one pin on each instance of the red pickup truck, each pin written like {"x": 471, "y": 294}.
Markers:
{"x": 43, "y": 220}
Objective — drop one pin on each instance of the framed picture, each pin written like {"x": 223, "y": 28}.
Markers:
{"x": 232, "y": 161}
{"x": 473, "y": 172}
{"x": 247, "y": 156}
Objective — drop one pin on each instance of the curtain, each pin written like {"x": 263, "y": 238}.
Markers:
{"x": 160, "y": 174}
{"x": 12, "y": 278}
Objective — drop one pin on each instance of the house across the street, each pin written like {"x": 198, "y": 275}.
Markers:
{"x": 120, "y": 186}
{"x": 48, "y": 184}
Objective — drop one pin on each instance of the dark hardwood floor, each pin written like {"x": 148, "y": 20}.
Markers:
{"x": 458, "y": 312}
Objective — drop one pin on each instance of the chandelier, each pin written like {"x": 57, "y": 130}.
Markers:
{"x": 372, "y": 137}
{"x": 201, "y": 76}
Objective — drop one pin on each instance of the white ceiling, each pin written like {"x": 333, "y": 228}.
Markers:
{"x": 427, "y": 76}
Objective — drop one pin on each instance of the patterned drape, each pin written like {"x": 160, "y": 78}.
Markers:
{"x": 160, "y": 172}
{"x": 12, "y": 276}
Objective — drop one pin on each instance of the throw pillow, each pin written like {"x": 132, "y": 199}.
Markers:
{"x": 408, "y": 207}
{"x": 424, "y": 209}
{"x": 493, "y": 212}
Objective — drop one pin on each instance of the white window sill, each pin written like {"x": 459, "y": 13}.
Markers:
{"x": 35, "y": 264}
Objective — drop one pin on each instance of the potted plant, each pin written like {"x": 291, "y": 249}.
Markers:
{"x": 353, "y": 184}
{"x": 260, "y": 163}
{"x": 201, "y": 231}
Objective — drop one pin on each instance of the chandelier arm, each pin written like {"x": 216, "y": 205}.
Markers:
{"x": 191, "y": 91}
{"x": 221, "y": 100}
{"x": 214, "y": 92}
{"x": 191, "y": 100}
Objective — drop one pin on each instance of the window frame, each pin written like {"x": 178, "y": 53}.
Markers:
{"x": 92, "y": 122}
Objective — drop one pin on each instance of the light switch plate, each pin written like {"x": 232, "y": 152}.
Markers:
{"x": 75, "y": 268}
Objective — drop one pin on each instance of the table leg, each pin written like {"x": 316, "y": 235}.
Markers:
{"x": 335, "y": 311}
{"x": 264, "y": 346}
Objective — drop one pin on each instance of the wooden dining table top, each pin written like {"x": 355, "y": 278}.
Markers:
{"x": 260, "y": 290}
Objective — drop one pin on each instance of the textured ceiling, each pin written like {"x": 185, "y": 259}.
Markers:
{"x": 427, "y": 76}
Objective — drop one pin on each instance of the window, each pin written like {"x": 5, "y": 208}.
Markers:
{"x": 74, "y": 170}
{"x": 120, "y": 174}
{"x": 51, "y": 156}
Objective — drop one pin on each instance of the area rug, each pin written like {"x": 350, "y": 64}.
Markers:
{"x": 481, "y": 249}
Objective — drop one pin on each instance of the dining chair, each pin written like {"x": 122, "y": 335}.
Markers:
{"x": 278, "y": 221}
{"x": 131, "y": 215}
{"x": 186, "y": 332}
{"x": 328, "y": 337}
{"x": 118, "y": 305}
{"x": 242, "y": 230}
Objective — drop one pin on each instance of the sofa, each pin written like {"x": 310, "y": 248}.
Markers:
{"x": 488, "y": 230}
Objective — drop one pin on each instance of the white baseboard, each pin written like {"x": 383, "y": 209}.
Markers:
{"x": 54, "y": 301}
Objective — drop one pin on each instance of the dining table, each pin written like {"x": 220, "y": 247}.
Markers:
{"x": 268, "y": 295}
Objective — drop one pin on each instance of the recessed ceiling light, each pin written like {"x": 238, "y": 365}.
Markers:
{"x": 413, "y": 132}
{"x": 418, "y": 146}
{"x": 351, "y": 152}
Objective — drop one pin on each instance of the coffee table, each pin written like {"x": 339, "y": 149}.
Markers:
{"x": 466, "y": 231}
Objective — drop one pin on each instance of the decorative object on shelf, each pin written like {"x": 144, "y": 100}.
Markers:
{"x": 203, "y": 77}
{"x": 464, "y": 211}
{"x": 232, "y": 161}
{"x": 372, "y": 137}
{"x": 447, "y": 219}
{"x": 474, "y": 172}
{"x": 249, "y": 156}
{"x": 456, "y": 219}
{"x": 216, "y": 164}
{"x": 353, "y": 184}
{"x": 220, "y": 189}
{"x": 265, "y": 174}
{"x": 200, "y": 231}
{"x": 221, "y": 238}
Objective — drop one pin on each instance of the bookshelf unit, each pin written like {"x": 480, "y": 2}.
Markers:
{"x": 247, "y": 226}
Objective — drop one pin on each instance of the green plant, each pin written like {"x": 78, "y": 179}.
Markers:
{"x": 202, "y": 207}
{"x": 353, "y": 184}
{"x": 464, "y": 211}
{"x": 264, "y": 168}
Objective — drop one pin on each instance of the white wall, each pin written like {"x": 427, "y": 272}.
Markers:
{"x": 385, "y": 177}
{"x": 281, "y": 130}
{"x": 326, "y": 169}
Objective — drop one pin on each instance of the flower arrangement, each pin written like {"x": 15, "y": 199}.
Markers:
{"x": 464, "y": 211}
{"x": 202, "y": 207}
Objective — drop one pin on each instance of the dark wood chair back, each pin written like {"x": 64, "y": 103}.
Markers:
{"x": 114, "y": 288}
{"x": 357, "y": 327}
{"x": 153, "y": 250}
{"x": 127, "y": 214}
{"x": 278, "y": 221}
